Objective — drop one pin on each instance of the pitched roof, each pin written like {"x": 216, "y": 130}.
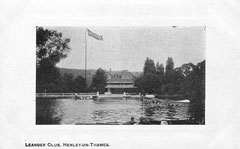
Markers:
{"x": 115, "y": 72}
{"x": 135, "y": 74}
{"x": 115, "y": 80}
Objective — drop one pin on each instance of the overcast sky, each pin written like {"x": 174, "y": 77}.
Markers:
{"x": 128, "y": 47}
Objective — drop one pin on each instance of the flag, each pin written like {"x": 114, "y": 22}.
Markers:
{"x": 94, "y": 35}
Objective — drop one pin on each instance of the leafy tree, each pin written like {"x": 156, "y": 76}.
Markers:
{"x": 149, "y": 79}
{"x": 159, "y": 69}
{"x": 197, "y": 106}
{"x": 50, "y": 49}
{"x": 80, "y": 84}
{"x": 188, "y": 72}
{"x": 160, "y": 76}
{"x": 169, "y": 71}
{"x": 99, "y": 81}
{"x": 169, "y": 66}
{"x": 51, "y": 45}
{"x": 187, "y": 69}
{"x": 139, "y": 83}
{"x": 67, "y": 83}
{"x": 187, "y": 81}
{"x": 149, "y": 67}
{"x": 167, "y": 89}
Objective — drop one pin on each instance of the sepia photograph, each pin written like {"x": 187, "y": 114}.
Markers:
{"x": 120, "y": 75}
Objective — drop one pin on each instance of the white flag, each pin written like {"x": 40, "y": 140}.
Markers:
{"x": 94, "y": 35}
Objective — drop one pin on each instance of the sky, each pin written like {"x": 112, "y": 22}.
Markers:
{"x": 126, "y": 48}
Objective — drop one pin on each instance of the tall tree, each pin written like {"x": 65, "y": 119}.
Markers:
{"x": 149, "y": 67}
{"x": 169, "y": 66}
{"x": 160, "y": 76}
{"x": 159, "y": 69}
{"x": 169, "y": 72}
{"x": 50, "y": 49}
{"x": 51, "y": 45}
{"x": 197, "y": 90}
{"x": 149, "y": 80}
{"x": 48, "y": 77}
{"x": 99, "y": 81}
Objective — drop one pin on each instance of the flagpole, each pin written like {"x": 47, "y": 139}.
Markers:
{"x": 86, "y": 54}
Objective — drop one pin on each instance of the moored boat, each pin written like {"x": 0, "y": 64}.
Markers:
{"x": 184, "y": 101}
{"x": 149, "y": 96}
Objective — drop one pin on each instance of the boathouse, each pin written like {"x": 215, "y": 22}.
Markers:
{"x": 119, "y": 82}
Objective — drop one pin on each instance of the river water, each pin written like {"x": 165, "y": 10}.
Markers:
{"x": 120, "y": 110}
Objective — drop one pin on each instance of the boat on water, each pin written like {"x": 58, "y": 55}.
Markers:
{"x": 184, "y": 101}
{"x": 149, "y": 96}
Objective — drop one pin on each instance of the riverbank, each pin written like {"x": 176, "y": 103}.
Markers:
{"x": 88, "y": 96}
{"x": 82, "y": 96}
{"x": 118, "y": 96}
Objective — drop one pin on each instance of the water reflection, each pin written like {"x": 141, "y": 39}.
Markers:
{"x": 67, "y": 111}
{"x": 46, "y": 112}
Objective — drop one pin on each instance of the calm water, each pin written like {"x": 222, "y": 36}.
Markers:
{"x": 70, "y": 111}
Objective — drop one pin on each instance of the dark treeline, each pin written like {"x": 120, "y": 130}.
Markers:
{"x": 187, "y": 81}
{"x": 50, "y": 49}
{"x": 99, "y": 81}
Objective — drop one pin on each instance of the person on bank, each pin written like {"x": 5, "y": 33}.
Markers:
{"x": 132, "y": 121}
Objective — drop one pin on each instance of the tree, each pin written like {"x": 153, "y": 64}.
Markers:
{"x": 159, "y": 69}
{"x": 149, "y": 67}
{"x": 139, "y": 83}
{"x": 169, "y": 71}
{"x": 187, "y": 81}
{"x": 160, "y": 77}
{"x": 149, "y": 76}
{"x": 197, "y": 106}
{"x": 193, "y": 87}
{"x": 99, "y": 81}
{"x": 51, "y": 45}
{"x": 147, "y": 83}
{"x": 67, "y": 83}
{"x": 80, "y": 84}
{"x": 187, "y": 69}
{"x": 50, "y": 49}
{"x": 48, "y": 77}
{"x": 169, "y": 66}
{"x": 167, "y": 89}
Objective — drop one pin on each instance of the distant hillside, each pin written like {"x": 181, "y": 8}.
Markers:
{"x": 90, "y": 73}
{"x": 77, "y": 72}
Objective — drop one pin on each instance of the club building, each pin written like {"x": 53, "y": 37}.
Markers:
{"x": 120, "y": 81}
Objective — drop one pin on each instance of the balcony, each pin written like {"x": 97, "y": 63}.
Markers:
{"x": 120, "y": 86}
